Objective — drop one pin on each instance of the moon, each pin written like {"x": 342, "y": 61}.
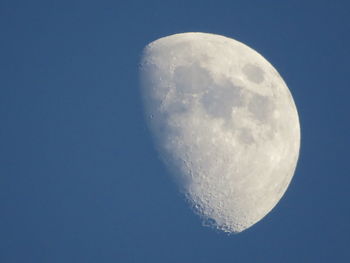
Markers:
{"x": 224, "y": 123}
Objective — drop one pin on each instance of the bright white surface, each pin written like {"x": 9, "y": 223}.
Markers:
{"x": 224, "y": 123}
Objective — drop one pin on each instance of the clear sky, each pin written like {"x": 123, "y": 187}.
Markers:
{"x": 80, "y": 180}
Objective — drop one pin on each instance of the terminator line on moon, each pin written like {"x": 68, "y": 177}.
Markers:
{"x": 224, "y": 123}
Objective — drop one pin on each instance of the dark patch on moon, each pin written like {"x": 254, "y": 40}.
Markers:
{"x": 219, "y": 101}
{"x": 178, "y": 106}
{"x": 246, "y": 136}
{"x": 261, "y": 107}
{"x": 192, "y": 78}
{"x": 253, "y": 73}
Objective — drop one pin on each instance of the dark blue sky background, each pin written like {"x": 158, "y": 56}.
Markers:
{"x": 80, "y": 180}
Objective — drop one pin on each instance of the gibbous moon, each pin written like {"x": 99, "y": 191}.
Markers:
{"x": 224, "y": 123}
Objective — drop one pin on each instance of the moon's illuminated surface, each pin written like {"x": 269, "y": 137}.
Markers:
{"x": 225, "y": 124}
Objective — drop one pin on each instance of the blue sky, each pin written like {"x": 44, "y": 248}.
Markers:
{"x": 80, "y": 180}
